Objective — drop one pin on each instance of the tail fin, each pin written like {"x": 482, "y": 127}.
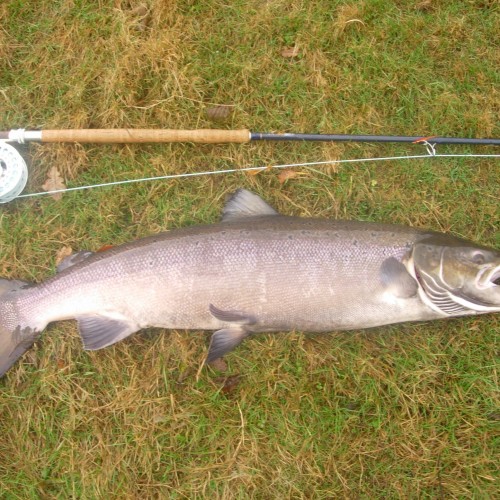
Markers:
{"x": 15, "y": 339}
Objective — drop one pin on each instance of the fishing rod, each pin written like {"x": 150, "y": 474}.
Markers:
{"x": 213, "y": 136}
{"x": 14, "y": 172}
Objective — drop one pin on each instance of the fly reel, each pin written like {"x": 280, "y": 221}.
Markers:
{"x": 13, "y": 172}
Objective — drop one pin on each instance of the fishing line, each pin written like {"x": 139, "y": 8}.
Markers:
{"x": 431, "y": 153}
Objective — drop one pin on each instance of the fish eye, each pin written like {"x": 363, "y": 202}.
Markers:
{"x": 478, "y": 258}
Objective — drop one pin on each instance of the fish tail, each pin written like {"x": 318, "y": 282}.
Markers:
{"x": 16, "y": 337}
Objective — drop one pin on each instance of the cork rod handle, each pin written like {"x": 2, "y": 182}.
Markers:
{"x": 107, "y": 136}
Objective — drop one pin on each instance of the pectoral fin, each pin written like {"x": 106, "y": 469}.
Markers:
{"x": 396, "y": 279}
{"x": 225, "y": 340}
{"x": 99, "y": 331}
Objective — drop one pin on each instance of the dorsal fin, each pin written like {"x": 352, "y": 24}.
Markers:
{"x": 243, "y": 203}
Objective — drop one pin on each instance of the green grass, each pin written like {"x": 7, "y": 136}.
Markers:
{"x": 408, "y": 411}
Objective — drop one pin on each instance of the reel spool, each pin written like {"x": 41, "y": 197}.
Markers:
{"x": 13, "y": 172}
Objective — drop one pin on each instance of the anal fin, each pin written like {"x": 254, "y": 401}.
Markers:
{"x": 225, "y": 340}
{"x": 98, "y": 331}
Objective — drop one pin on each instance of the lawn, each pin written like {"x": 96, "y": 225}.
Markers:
{"x": 406, "y": 411}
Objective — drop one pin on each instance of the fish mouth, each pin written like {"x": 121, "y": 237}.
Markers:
{"x": 489, "y": 278}
{"x": 495, "y": 278}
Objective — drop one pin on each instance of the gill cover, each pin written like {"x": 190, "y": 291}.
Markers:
{"x": 456, "y": 276}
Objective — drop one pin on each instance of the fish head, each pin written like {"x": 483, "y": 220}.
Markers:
{"x": 456, "y": 276}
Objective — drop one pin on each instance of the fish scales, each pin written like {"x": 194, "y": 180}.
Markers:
{"x": 299, "y": 261}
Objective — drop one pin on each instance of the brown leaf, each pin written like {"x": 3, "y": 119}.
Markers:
{"x": 54, "y": 182}
{"x": 184, "y": 375}
{"x": 229, "y": 384}
{"x": 104, "y": 248}
{"x": 425, "y": 5}
{"x": 257, "y": 171}
{"x": 142, "y": 17}
{"x": 253, "y": 173}
{"x": 63, "y": 253}
{"x": 290, "y": 52}
{"x": 284, "y": 175}
{"x": 219, "y": 364}
{"x": 218, "y": 113}
{"x": 141, "y": 10}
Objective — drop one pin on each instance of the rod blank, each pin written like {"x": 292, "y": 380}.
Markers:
{"x": 257, "y": 136}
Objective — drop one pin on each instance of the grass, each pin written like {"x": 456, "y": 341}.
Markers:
{"x": 409, "y": 411}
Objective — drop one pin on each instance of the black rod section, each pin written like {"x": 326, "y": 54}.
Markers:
{"x": 259, "y": 136}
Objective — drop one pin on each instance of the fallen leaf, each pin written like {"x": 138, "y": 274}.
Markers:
{"x": 352, "y": 406}
{"x": 54, "y": 182}
{"x": 290, "y": 52}
{"x": 184, "y": 375}
{"x": 425, "y": 5}
{"x": 253, "y": 173}
{"x": 104, "y": 248}
{"x": 229, "y": 384}
{"x": 287, "y": 174}
{"x": 141, "y": 10}
{"x": 218, "y": 113}
{"x": 219, "y": 364}
{"x": 142, "y": 15}
{"x": 257, "y": 171}
{"x": 63, "y": 253}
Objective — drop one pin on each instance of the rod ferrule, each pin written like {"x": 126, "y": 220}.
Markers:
{"x": 21, "y": 135}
